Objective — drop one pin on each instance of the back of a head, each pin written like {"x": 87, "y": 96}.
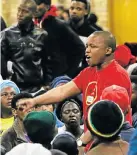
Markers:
{"x": 105, "y": 119}
{"x": 57, "y": 152}
{"x": 29, "y": 149}
{"x": 40, "y": 127}
{"x": 65, "y": 142}
{"x": 47, "y": 2}
{"x": 109, "y": 39}
{"x": 118, "y": 95}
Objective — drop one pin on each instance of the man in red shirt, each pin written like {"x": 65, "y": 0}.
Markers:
{"x": 103, "y": 71}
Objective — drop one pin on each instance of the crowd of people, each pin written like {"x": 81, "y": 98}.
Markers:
{"x": 67, "y": 87}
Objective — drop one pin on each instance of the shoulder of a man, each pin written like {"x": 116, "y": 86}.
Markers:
{"x": 39, "y": 31}
{"x": 8, "y": 138}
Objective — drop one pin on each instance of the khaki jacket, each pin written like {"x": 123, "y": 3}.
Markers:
{"x": 118, "y": 147}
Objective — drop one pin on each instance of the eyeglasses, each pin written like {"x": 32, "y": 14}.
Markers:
{"x": 7, "y": 94}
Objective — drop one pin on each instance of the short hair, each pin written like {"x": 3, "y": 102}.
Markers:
{"x": 47, "y": 2}
{"x": 61, "y": 106}
{"x": 110, "y": 40}
{"x": 42, "y": 92}
{"x": 29, "y": 4}
{"x": 82, "y": 1}
{"x": 18, "y": 97}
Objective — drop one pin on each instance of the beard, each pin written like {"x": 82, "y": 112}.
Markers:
{"x": 75, "y": 19}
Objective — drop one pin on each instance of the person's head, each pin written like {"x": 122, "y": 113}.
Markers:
{"x": 99, "y": 48}
{"x": 60, "y": 10}
{"x": 118, "y": 95}
{"x": 92, "y": 18}
{"x": 78, "y": 10}
{"x": 8, "y": 90}
{"x": 26, "y": 11}
{"x": 65, "y": 142}
{"x": 29, "y": 149}
{"x": 134, "y": 98}
{"x": 18, "y": 105}
{"x": 46, "y": 107}
{"x": 57, "y": 152}
{"x": 123, "y": 56}
{"x": 40, "y": 127}
{"x": 70, "y": 112}
{"x": 105, "y": 120}
{"x": 60, "y": 80}
{"x": 42, "y": 7}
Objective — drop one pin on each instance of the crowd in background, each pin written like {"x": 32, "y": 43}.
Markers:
{"x": 66, "y": 86}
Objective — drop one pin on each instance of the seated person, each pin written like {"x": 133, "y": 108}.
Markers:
{"x": 105, "y": 120}
{"x": 16, "y": 134}
{"x": 70, "y": 113}
{"x": 8, "y": 90}
{"x": 65, "y": 142}
{"x": 40, "y": 127}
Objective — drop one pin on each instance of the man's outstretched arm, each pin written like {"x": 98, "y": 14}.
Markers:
{"x": 55, "y": 95}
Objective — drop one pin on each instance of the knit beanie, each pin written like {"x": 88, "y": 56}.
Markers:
{"x": 40, "y": 126}
{"x": 105, "y": 119}
{"x": 8, "y": 83}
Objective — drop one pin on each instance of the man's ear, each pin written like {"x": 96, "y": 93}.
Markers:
{"x": 14, "y": 112}
{"x": 109, "y": 51}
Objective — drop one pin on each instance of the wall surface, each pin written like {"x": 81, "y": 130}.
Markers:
{"x": 123, "y": 20}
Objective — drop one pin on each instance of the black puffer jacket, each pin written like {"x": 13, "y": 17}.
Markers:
{"x": 25, "y": 46}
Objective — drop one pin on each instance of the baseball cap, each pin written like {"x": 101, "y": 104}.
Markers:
{"x": 117, "y": 94}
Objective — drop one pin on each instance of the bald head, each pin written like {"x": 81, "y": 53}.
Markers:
{"x": 109, "y": 39}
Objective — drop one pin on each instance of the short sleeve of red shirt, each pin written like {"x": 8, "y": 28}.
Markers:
{"x": 78, "y": 80}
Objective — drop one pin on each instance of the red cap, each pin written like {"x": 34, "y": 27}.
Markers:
{"x": 123, "y": 56}
{"x": 118, "y": 95}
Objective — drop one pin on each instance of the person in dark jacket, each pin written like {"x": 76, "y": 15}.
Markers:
{"x": 65, "y": 50}
{"x": 25, "y": 45}
{"x": 78, "y": 22}
{"x": 3, "y": 23}
{"x": 16, "y": 134}
{"x": 78, "y": 11}
{"x": 92, "y": 20}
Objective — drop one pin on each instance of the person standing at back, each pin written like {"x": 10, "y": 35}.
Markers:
{"x": 65, "y": 50}
{"x": 25, "y": 45}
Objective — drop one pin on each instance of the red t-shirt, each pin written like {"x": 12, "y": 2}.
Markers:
{"x": 92, "y": 82}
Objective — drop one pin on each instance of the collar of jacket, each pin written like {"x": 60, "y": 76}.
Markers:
{"x": 51, "y": 12}
{"x": 18, "y": 128}
{"x": 25, "y": 28}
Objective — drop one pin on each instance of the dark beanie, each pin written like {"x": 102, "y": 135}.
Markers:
{"x": 105, "y": 119}
{"x": 65, "y": 142}
{"x": 47, "y": 2}
{"x": 40, "y": 126}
